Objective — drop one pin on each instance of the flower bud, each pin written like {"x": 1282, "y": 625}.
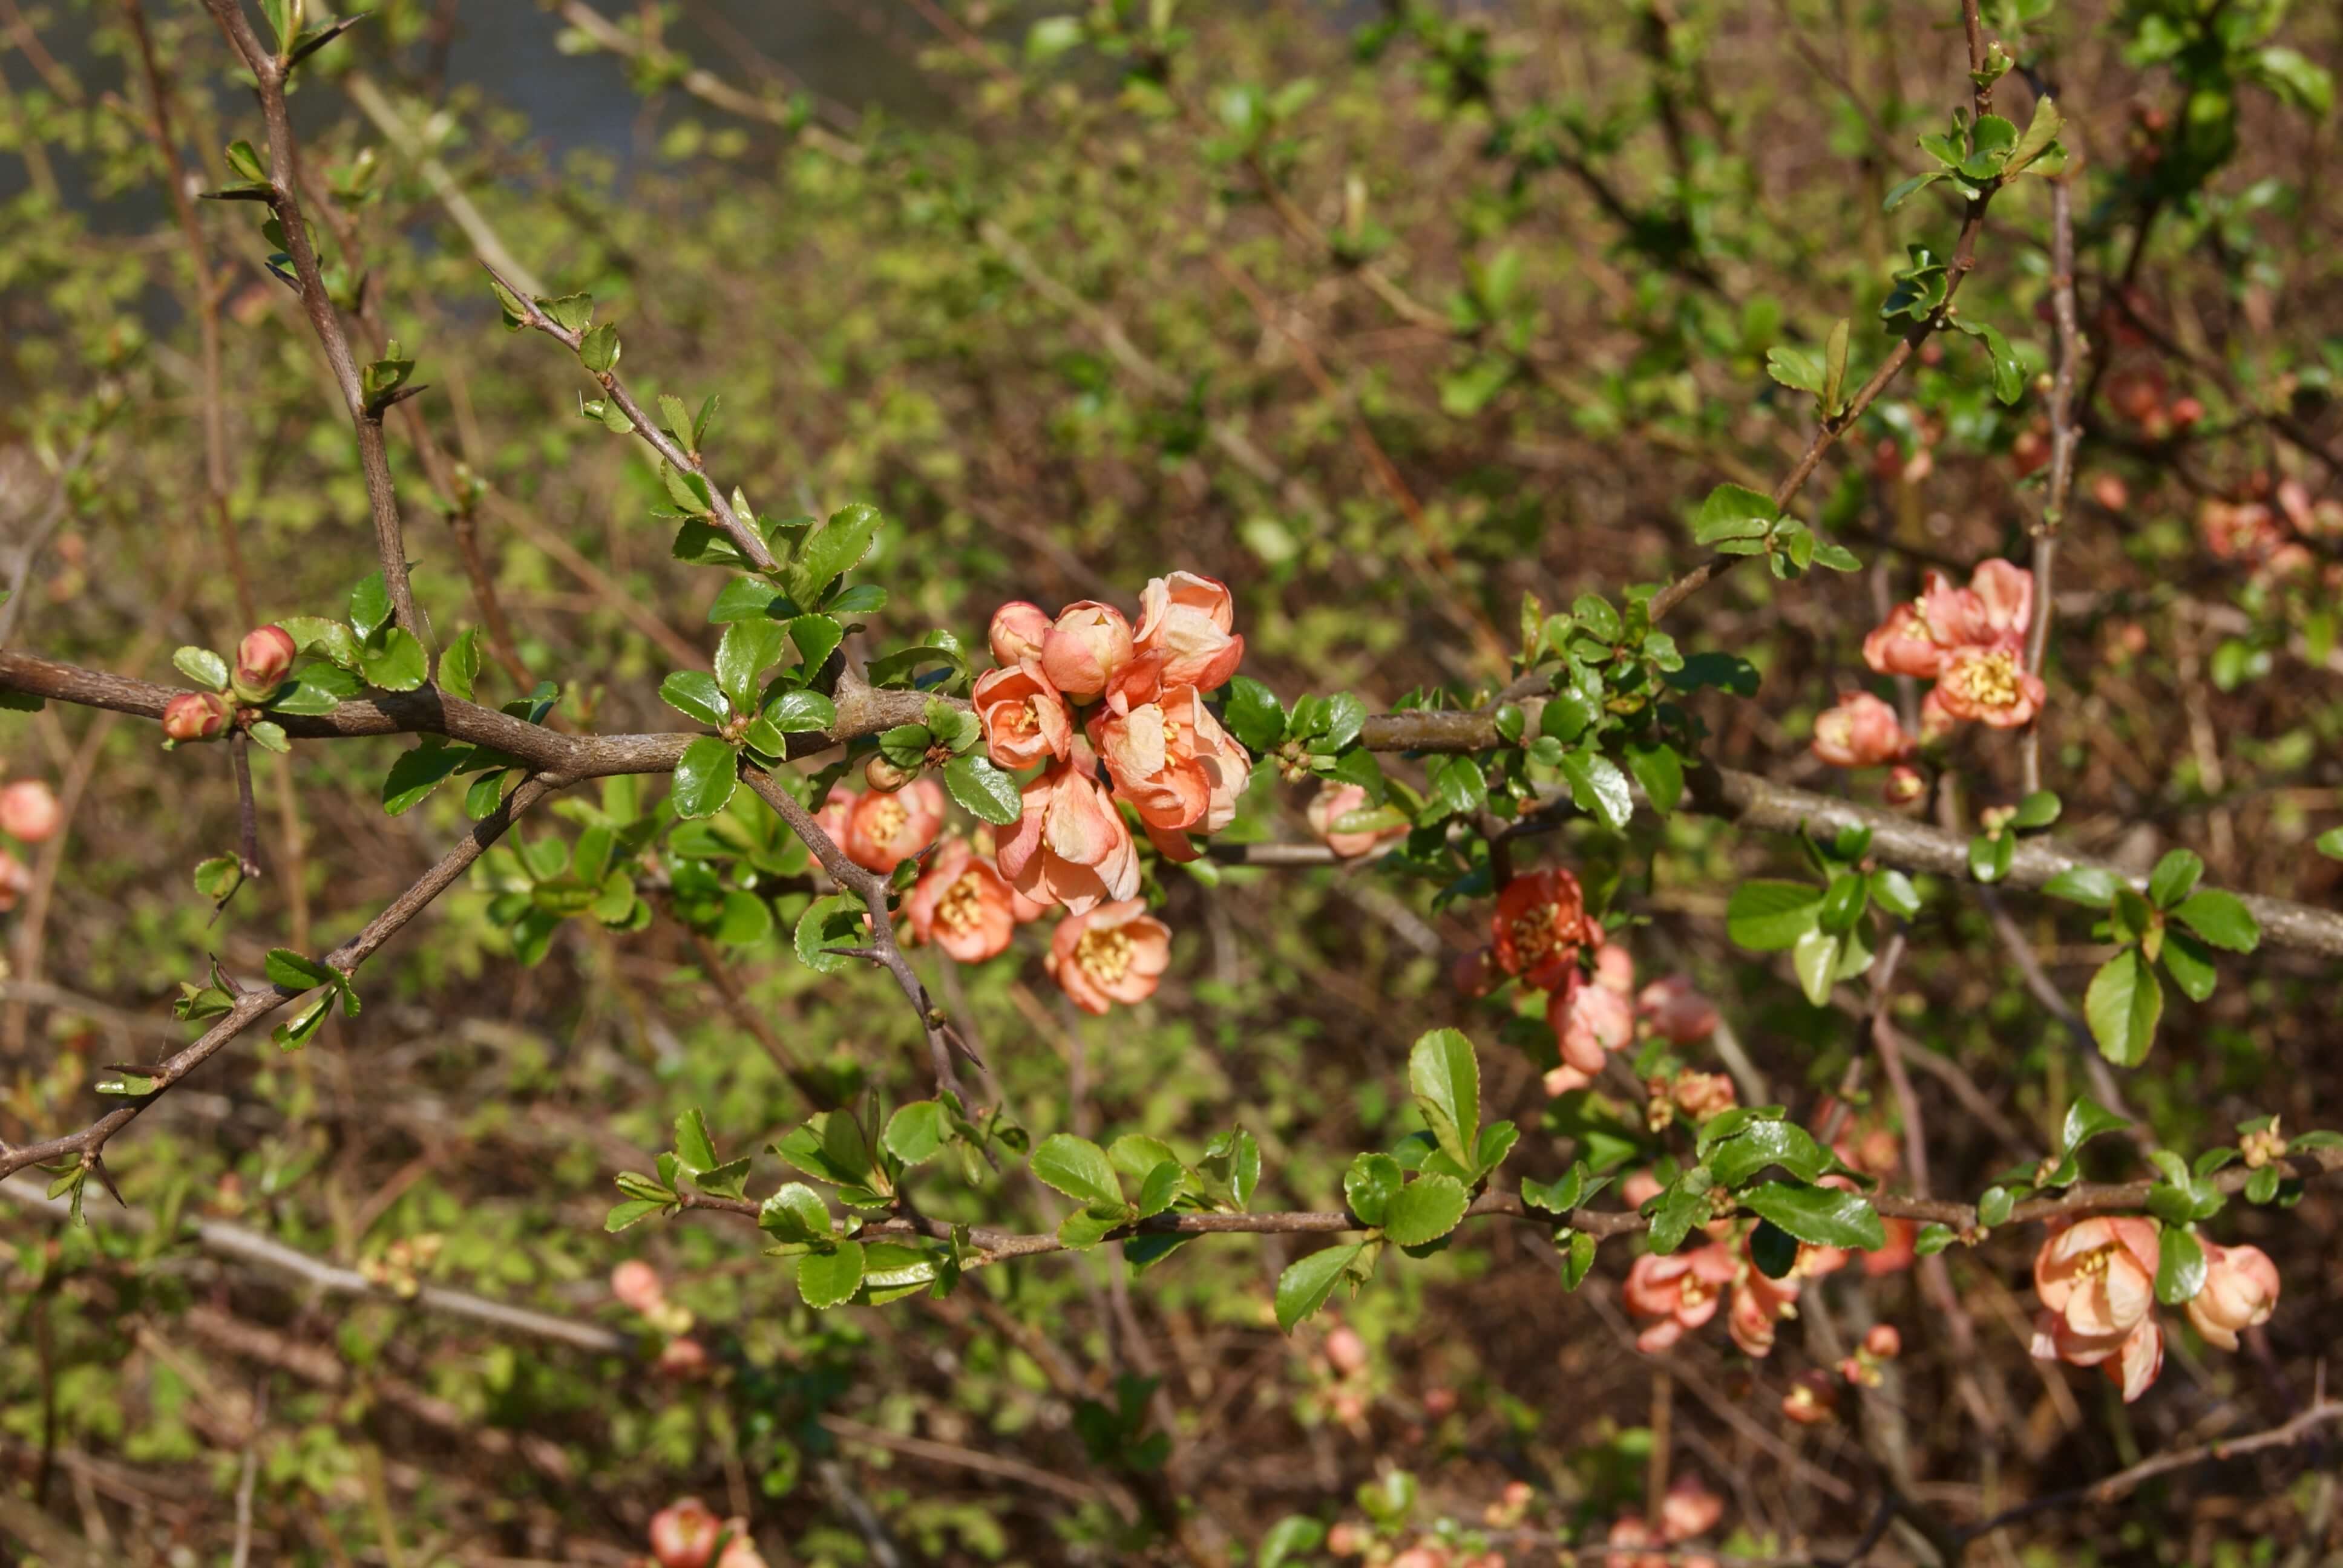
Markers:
{"x": 884, "y": 776}
{"x": 28, "y": 811}
{"x": 1016, "y": 633}
{"x": 196, "y": 715}
{"x": 1904, "y": 786}
{"x": 1884, "y": 1341}
{"x": 262, "y": 660}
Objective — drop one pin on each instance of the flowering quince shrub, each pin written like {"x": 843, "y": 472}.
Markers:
{"x": 1517, "y": 1097}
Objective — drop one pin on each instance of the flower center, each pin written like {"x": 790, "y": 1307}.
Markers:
{"x": 962, "y": 904}
{"x": 1538, "y": 935}
{"x": 1104, "y": 954}
{"x": 1989, "y": 681}
{"x": 2094, "y": 1262}
{"x": 1022, "y": 718}
{"x": 887, "y": 820}
{"x": 1696, "y": 1292}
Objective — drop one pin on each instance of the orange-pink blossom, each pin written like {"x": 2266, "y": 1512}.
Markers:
{"x": 961, "y": 904}
{"x": 883, "y": 831}
{"x": 1860, "y": 732}
{"x": 1084, "y": 647}
{"x": 1330, "y": 805}
{"x": 1680, "y": 1291}
{"x": 1017, "y": 632}
{"x": 1186, "y": 619}
{"x": 1071, "y": 847}
{"x": 29, "y": 812}
{"x": 2099, "y": 1274}
{"x": 1113, "y": 953}
{"x": 2240, "y": 1291}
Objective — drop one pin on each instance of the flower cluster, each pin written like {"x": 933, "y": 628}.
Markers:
{"x": 1681, "y": 1292}
{"x": 2271, "y": 530}
{"x": 1969, "y": 640}
{"x": 2097, "y": 1278}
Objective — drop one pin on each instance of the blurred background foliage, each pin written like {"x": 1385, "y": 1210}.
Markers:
{"x": 1387, "y": 316}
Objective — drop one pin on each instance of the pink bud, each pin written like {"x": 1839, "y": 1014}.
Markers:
{"x": 196, "y": 715}
{"x": 683, "y": 1535}
{"x": 28, "y": 811}
{"x": 262, "y": 659}
{"x": 1346, "y": 1351}
{"x": 1884, "y": 1341}
{"x": 1085, "y": 646}
{"x": 1018, "y": 628}
{"x": 638, "y": 1286}
{"x": 1904, "y": 786}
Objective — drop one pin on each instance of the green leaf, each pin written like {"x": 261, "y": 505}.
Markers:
{"x": 2123, "y": 1005}
{"x": 2175, "y": 878}
{"x": 460, "y": 665}
{"x": 1766, "y": 916}
{"x": 1993, "y": 1206}
{"x": 392, "y": 661}
{"x": 2036, "y": 811}
{"x": 2085, "y": 885}
{"x": 830, "y": 1279}
{"x": 269, "y": 735}
{"x": 795, "y": 1214}
{"x": 1907, "y": 189}
{"x": 202, "y": 666}
{"x": 696, "y": 697}
{"x": 1253, "y": 714}
{"x": 2329, "y": 843}
{"x": 1765, "y": 1143}
{"x": 745, "y": 650}
{"x": 705, "y": 776}
{"x": 1295, "y": 1535}
{"x": 1368, "y": 1186}
{"x": 917, "y": 1131}
{"x": 303, "y": 1026}
{"x": 598, "y": 350}
{"x": 1991, "y": 139}
{"x": 369, "y": 605}
{"x": 1835, "y": 366}
{"x": 983, "y": 790}
{"x": 1304, "y": 1286}
{"x": 632, "y": 1212}
{"x": 2180, "y": 1266}
{"x": 838, "y": 547}
{"x": 1816, "y": 956}
{"x": 1161, "y": 1186}
{"x": 1597, "y": 787}
{"x": 1423, "y": 1210}
{"x": 1577, "y": 1257}
{"x": 746, "y": 598}
{"x": 1445, "y": 1078}
{"x": 1736, "y": 511}
{"x": 295, "y": 971}
{"x": 1458, "y": 785}
{"x": 2189, "y": 962}
{"x": 2009, "y": 370}
{"x": 1658, "y": 768}
{"x": 218, "y": 876}
{"x": 1076, "y": 1167}
{"x": 800, "y": 712}
{"x": 2087, "y": 1118}
{"x": 692, "y": 1144}
{"x": 833, "y": 922}
{"x": 1892, "y": 890}
{"x": 415, "y": 774}
{"x": 1773, "y": 1250}
{"x": 1822, "y": 1215}
{"x": 2221, "y": 919}
{"x": 1934, "y": 1239}
{"x": 1800, "y": 369}
{"x": 2040, "y": 132}
{"x": 817, "y": 637}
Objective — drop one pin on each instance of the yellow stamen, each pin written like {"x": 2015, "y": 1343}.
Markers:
{"x": 1104, "y": 954}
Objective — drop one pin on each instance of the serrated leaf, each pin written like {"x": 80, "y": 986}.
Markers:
{"x": 296, "y": 971}
{"x": 826, "y": 1280}
{"x": 392, "y": 659}
{"x": 705, "y": 776}
{"x": 832, "y": 921}
{"x": 1734, "y": 511}
{"x": 2089, "y": 885}
{"x": 1254, "y": 716}
{"x": 1423, "y": 1210}
{"x": 2180, "y": 1267}
{"x": 2122, "y": 1006}
{"x": 2221, "y": 919}
{"x": 415, "y": 774}
{"x": 1303, "y": 1287}
{"x": 2175, "y": 878}
{"x": 983, "y": 790}
{"x": 2087, "y": 1118}
{"x": 1076, "y": 1167}
{"x": 1825, "y": 1216}
{"x": 917, "y": 1131}
{"x": 1445, "y": 1078}
{"x": 1597, "y": 787}
{"x": 201, "y": 664}
{"x": 800, "y": 712}
{"x": 1369, "y": 1184}
{"x": 1767, "y": 916}
{"x": 1907, "y": 189}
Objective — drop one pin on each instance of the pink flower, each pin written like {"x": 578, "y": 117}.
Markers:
{"x": 1905, "y": 785}
{"x": 1991, "y": 686}
{"x": 15, "y": 881}
{"x": 1811, "y": 1399}
{"x": 1631, "y": 1532}
{"x": 1588, "y": 1022}
{"x": 837, "y": 807}
{"x": 2098, "y": 1275}
{"x": 961, "y": 904}
{"x": 684, "y": 1534}
{"x": 1614, "y": 969}
{"x": 29, "y": 812}
{"x": 2131, "y": 1358}
{"x": 1113, "y": 954}
{"x": 1860, "y": 732}
{"x": 1025, "y": 719}
{"x": 1883, "y": 1343}
{"x": 1681, "y": 1291}
{"x": 1689, "y": 1509}
{"x": 1170, "y": 758}
{"x": 2005, "y": 594}
{"x": 1903, "y": 1249}
{"x": 1186, "y": 619}
{"x": 194, "y": 716}
{"x": 882, "y": 831}
{"x": 1759, "y": 1304}
{"x": 638, "y": 1287}
{"x": 1901, "y": 645}
{"x": 1330, "y": 805}
{"x": 1346, "y": 1352}
{"x": 1070, "y": 846}
{"x": 262, "y": 661}
{"x": 1085, "y": 646}
{"x": 1538, "y": 926}
{"x": 2240, "y": 1291}
{"x": 1676, "y": 1011}
{"x": 1017, "y": 632}
{"x": 740, "y": 1551}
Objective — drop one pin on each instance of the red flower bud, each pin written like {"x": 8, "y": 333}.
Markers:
{"x": 196, "y": 715}
{"x": 263, "y": 658}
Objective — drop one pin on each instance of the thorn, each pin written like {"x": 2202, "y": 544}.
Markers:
{"x": 98, "y": 1165}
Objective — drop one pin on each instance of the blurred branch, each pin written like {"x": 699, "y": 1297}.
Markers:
{"x": 2066, "y": 435}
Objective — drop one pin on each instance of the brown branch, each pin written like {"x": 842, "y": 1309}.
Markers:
{"x": 251, "y": 1005}
{"x": 2066, "y": 435}
{"x": 740, "y": 531}
{"x": 269, "y": 74}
